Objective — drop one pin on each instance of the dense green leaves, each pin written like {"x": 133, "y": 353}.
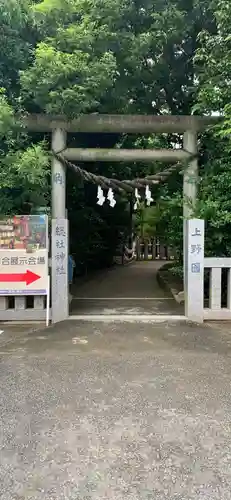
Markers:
{"x": 115, "y": 55}
{"x": 137, "y": 56}
{"x": 213, "y": 61}
{"x": 69, "y": 83}
{"x": 7, "y": 119}
{"x": 16, "y": 21}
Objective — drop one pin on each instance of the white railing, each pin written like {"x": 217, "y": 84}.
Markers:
{"x": 215, "y": 311}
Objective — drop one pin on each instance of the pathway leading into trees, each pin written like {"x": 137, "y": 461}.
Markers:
{"x": 132, "y": 289}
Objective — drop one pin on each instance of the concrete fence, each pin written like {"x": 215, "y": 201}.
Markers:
{"x": 23, "y": 308}
{"x": 219, "y": 290}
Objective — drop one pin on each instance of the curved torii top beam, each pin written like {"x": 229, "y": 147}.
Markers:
{"x": 120, "y": 123}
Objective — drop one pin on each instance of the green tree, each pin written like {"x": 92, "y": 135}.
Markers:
{"x": 119, "y": 56}
{"x": 123, "y": 56}
{"x": 23, "y": 172}
{"x": 213, "y": 60}
{"x": 213, "y": 63}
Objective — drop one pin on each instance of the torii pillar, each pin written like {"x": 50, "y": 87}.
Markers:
{"x": 193, "y": 283}
{"x": 190, "y": 174}
{"x": 60, "y": 286}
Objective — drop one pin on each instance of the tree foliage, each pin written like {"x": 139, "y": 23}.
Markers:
{"x": 122, "y": 56}
{"x": 23, "y": 172}
{"x": 213, "y": 63}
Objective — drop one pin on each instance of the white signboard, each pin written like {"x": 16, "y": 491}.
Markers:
{"x": 194, "y": 270}
{"x": 23, "y": 273}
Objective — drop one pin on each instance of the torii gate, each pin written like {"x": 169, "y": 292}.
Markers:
{"x": 189, "y": 126}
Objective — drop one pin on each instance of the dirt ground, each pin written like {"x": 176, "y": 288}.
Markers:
{"x": 115, "y": 411}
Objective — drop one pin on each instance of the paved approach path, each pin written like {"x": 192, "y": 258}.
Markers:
{"x": 119, "y": 412}
{"x": 131, "y": 289}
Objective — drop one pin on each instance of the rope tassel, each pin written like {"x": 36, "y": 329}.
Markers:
{"x": 137, "y": 198}
{"x": 110, "y": 197}
{"x": 100, "y": 196}
{"x": 148, "y": 196}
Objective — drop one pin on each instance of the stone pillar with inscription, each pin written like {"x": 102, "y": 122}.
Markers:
{"x": 194, "y": 270}
{"x": 59, "y": 247}
{"x": 190, "y": 180}
{"x": 60, "y": 306}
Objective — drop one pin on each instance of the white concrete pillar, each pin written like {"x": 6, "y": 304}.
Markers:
{"x": 60, "y": 288}
{"x": 215, "y": 288}
{"x": 190, "y": 181}
{"x": 58, "y": 175}
{"x": 190, "y": 174}
{"x": 59, "y": 261}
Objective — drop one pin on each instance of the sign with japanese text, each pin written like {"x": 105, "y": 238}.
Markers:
{"x": 196, "y": 246}
{"x": 23, "y": 273}
{"x": 194, "y": 269}
{"x": 60, "y": 308}
{"x": 60, "y": 254}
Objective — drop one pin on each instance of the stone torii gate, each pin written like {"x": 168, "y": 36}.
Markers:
{"x": 189, "y": 126}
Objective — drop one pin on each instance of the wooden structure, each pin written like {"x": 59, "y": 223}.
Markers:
{"x": 153, "y": 249}
{"x": 146, "y": 250}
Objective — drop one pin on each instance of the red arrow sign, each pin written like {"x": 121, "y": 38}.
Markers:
{"x": 28, "y": 277}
